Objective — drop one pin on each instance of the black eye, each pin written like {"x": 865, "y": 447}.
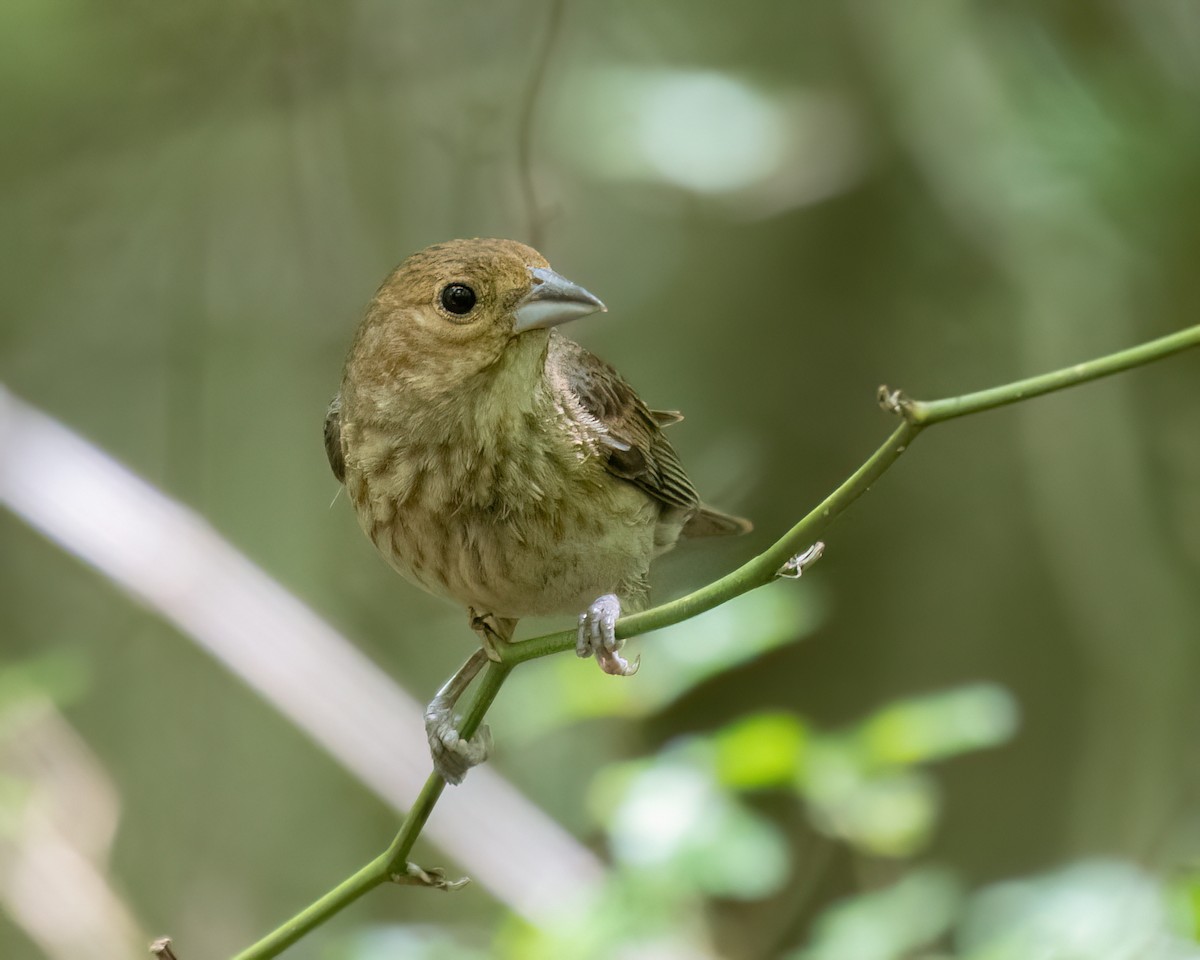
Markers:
{"x": 458, "y": 298}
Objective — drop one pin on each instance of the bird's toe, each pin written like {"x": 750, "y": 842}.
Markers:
{"x": 452, "y": 755}
{"x": 598, "y": 637}
{"x": 583, "y": 639}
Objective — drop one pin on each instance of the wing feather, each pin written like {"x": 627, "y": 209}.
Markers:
{"x": 333, "y": 439}
{"x": 636, "y": 448}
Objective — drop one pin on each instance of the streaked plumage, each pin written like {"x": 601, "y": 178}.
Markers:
{"x": 495, "y": 462}
{"x": 493, "y": 484}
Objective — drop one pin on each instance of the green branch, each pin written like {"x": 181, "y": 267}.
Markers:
{"x": 393, "y": 863}
{"x": 938, "y": 410}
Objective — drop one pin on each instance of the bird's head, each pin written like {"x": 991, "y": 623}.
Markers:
{"x": 457, "y": 308}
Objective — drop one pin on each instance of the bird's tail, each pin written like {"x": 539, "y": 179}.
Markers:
{"x": 708, "y": 522}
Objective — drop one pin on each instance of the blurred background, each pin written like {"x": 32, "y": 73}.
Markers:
{"x": 970, "y": 733}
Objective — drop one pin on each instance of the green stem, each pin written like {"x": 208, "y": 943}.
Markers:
{"x": 312, "y": 916}
{"x": 938, "y": 410}
{"x": 396, "y": 856}
{"x": 394, "y": 861}
{"x": 761, "y": 570}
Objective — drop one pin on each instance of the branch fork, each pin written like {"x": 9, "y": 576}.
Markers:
{"x": 434, "y": 877}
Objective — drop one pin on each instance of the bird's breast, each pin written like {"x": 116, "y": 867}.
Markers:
{"x": 518, "y": 523}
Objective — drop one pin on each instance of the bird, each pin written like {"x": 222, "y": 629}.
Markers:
{"x": 494, "y": 462}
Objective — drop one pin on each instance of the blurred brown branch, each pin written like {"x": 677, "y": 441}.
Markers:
{"x": 537, "y": 225}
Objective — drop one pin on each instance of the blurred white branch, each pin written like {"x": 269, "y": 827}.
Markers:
{"x": 173, "y": 561}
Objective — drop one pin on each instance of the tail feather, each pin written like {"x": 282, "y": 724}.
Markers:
{"x": 708, "y": 522}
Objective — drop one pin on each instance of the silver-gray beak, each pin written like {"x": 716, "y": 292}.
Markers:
{"x": 553, "y": 300}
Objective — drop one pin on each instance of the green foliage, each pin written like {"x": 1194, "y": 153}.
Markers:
{"x": 682, "y": 830}
{"x": 888, "y": 924}
{"x": 762, "y": 750}
{"x": 1091, "y": 910}
{"x": 672, "y": 818}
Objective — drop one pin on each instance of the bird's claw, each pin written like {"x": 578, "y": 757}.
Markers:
{"x": 452, "y": 755}
{"x": 795, "y": 567}
{"x": 434, "y": 877}
{"x": 597, "y": 637}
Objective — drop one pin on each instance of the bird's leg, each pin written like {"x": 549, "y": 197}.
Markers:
{"x": 597, "y": 637}
{"x": 453, "y": 756}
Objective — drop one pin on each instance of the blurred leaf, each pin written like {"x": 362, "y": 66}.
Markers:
{"x": 712, "y": 134}
{"x": 940, "y": 725}
{"x": 1187, "y": 889}
{"x": 636, "y": 914}
{"x": 1094, "y": 910}
{"x": 891, "y": 815}
{"x": 764, "y": 750}
{"x": 411, "y": 941}
{"x": 887, "y": 924}
{"x": 674, "y": 818}
{"x": 609, "y": 929}
{"x": 858, "y": 784}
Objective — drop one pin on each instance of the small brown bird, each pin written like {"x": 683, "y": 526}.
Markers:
{"x": 494, "y": 462}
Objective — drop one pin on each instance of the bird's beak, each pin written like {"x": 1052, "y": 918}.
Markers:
{"x": 553, "y": 300}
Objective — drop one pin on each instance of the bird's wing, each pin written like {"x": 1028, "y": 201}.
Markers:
{"x": 628, "y": 431}
{"x": 333, "y": 439}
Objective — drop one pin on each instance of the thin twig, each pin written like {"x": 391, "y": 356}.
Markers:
{"x": 761, "y": 570}
{"x": 161, "y": 948}
{"x": 395, "y": 859}
{"x": 938, "y": 410}
{"x": 537, "y": 226}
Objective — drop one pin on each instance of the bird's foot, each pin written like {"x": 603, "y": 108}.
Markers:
{"x": 452, "y": 755}
{"x": 597, "y": 637}
{"x": 795, "y": 567}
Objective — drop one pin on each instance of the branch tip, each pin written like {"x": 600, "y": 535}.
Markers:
{"x": 795, "y": 567}
{"x": 435, "y": 878}
{"x": 894, "y": 401}
{"x": 161, "y": 948}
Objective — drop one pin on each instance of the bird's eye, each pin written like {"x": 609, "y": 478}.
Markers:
{"x": 458, "y": 298}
